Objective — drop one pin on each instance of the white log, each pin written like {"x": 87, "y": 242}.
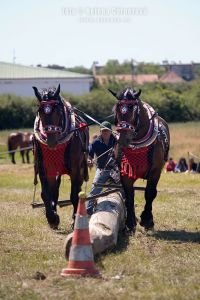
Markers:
{"x": 104, "y": 224}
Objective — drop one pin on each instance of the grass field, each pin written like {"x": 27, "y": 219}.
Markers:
{"x": 164, "y": 264}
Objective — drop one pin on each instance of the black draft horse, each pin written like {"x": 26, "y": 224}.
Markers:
{"x": 60, "y": 147}
{"x": 141, "y": 152}
{"x": 21, "y": 140}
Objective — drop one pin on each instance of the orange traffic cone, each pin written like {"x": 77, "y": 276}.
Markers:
{"x": 81, "y": 258}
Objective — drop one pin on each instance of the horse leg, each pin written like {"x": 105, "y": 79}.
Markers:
{"x": 131, "y": 220}
{"x": 27, "y": 157}
{"x": 49, "y": 193}
{"x": 150, "y": 194}
{"x": 56, "y": 193}
{"x": 22, "y": 155}
{"x": 76, "y": 183}
{"x": 13, "y": 157}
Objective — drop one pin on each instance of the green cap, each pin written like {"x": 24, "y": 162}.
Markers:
{"x": 105, "y": 124}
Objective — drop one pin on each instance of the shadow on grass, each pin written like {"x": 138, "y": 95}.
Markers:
{"x": 122, "y": 244}
{"x": 179, "y": 236}
{"x": 63, "y": 231}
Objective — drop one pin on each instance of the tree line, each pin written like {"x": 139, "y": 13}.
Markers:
{"x": 113, "y": 67}
{"x": 175, "y": 103}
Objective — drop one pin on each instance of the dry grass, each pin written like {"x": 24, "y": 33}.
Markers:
{"x": 185, "y": 138}
{"x": 164, "y": 264}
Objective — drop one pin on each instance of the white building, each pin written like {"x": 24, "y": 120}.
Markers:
{"x": 18, "y": 79}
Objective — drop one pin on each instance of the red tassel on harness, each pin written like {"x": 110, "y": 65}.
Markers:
{"x": 135, "y": 163}
{"x": 82, "y": 126}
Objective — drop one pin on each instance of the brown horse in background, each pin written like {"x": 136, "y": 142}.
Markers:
{"x": 21, "y": 140}
{"x": 60, "y": 147}
{"x": 141, "y": 152}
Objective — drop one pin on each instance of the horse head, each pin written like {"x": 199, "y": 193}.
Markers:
{"x": 126, "y": 112}
{"x": 50, "y": 111}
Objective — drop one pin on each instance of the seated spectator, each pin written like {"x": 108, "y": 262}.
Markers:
{"x": 181, "y": 166}
{"x": 170, "y": 165}
{"x": 198, "y": 167}
{"x": 193, "y": 166}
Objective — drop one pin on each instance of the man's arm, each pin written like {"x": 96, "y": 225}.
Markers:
{"x": 91, "y": 151}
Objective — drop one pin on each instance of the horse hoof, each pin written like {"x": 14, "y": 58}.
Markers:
{"x": 147, "y": 229}
{"x": 53, "y": 226}
{"x": 147, "y": 225}
{"x": 146, "y": 221}
{"x": 55, "y": 222}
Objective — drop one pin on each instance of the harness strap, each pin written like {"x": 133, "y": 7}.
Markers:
{"x": 125, "y": 126}
{"x": 51, "y": 129}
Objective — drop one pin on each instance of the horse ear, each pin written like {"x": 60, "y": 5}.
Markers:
{"x": 137, "y": 94}
{"x": 37, "y": 93}
{"x": 57, "y": 92}
{"x": 113, "y": 93}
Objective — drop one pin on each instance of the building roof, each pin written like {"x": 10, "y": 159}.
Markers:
{"x": 142, "y": 78}
{"x": 16, "y": 71}
{"x": 171, "y": 77}
{"x": 139, "y": 79}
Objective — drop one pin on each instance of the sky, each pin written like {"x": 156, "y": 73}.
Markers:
{"x": 79, "y": 32}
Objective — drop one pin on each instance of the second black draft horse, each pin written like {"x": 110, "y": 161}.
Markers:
{"x": 141, "y": 152}
{"x": 60, "y": 147}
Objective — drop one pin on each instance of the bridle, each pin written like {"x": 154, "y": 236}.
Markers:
{"x": 125, "y": 106}
{"x": 129, "y": 101}
{"x": 47, "y": 107}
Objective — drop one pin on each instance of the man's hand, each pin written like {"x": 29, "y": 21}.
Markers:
{"x": 90, "y": 163}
